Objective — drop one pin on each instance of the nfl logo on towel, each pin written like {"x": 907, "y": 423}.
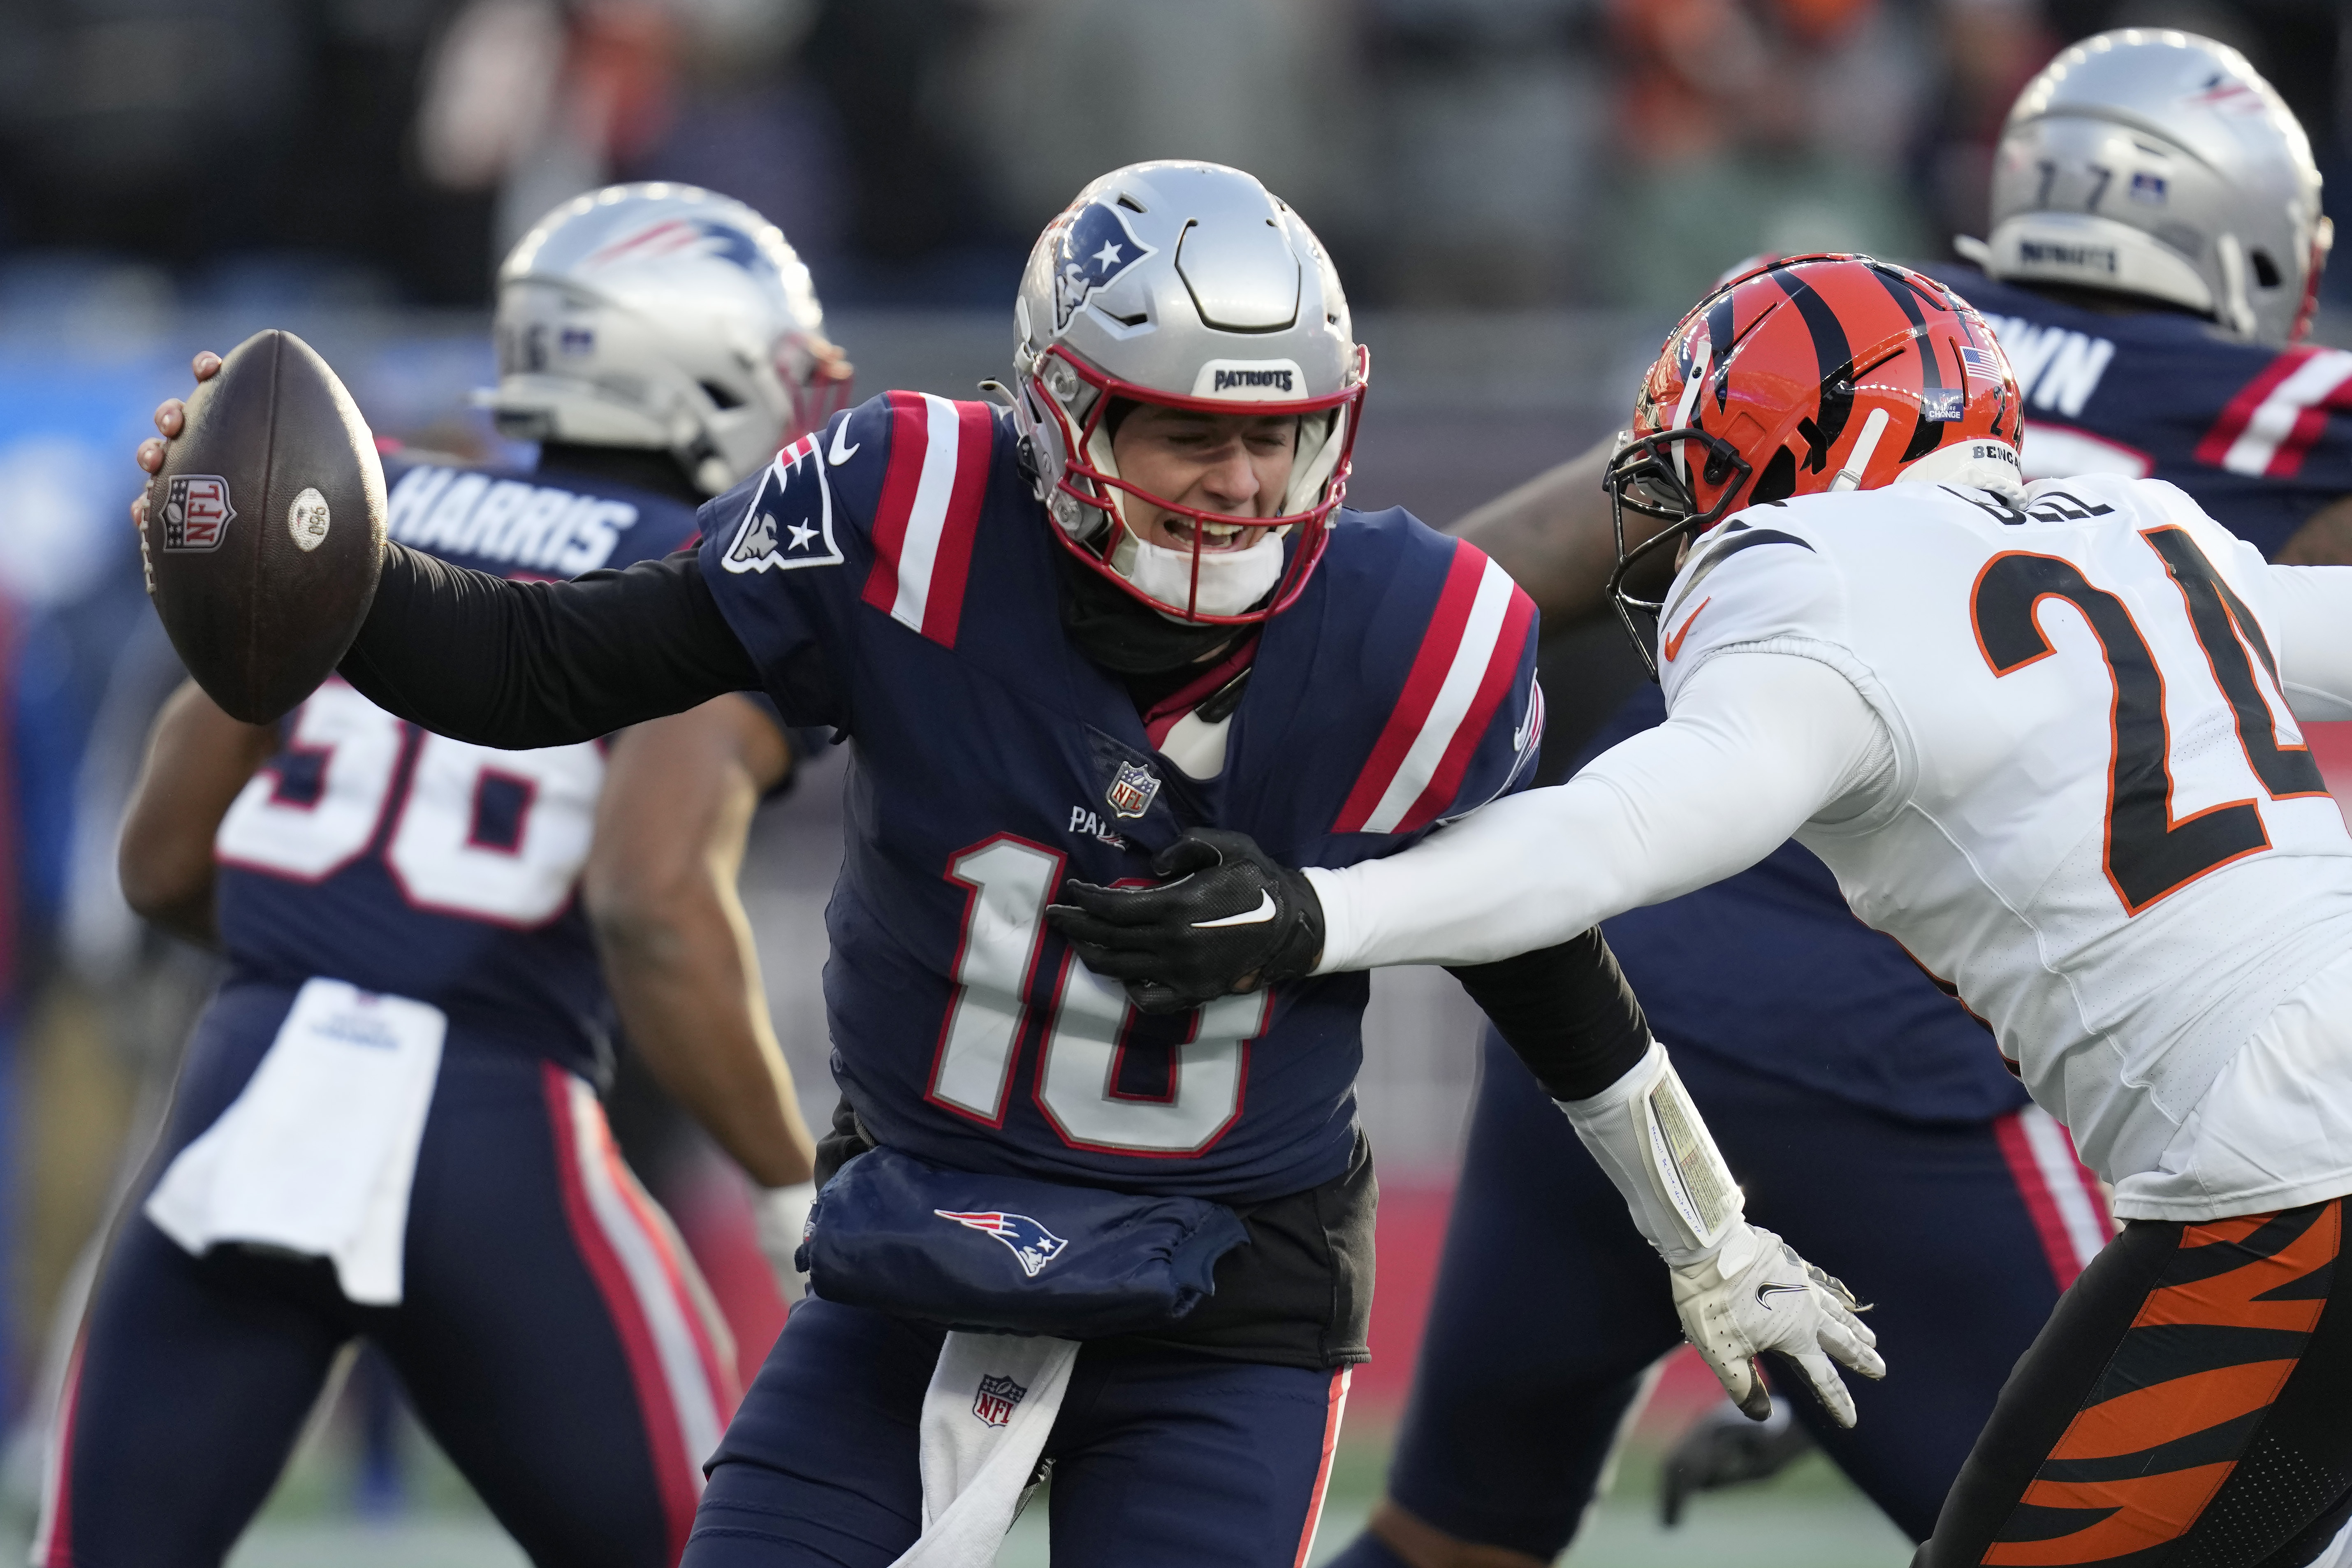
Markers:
{"x": 994, "y": 1402}
{"x": 1133, "y": 791}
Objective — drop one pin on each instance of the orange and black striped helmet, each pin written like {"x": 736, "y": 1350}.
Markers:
{"x": 1800, "y": 375}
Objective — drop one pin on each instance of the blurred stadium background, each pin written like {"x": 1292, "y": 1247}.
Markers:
{"x": 1520, "y": 194}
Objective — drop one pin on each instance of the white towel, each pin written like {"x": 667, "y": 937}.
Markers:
{"x": 986, "y": 1416}
{"x": 317, "y": 1154}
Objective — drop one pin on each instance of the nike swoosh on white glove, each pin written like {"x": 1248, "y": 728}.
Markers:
{"x": 1756, "y": 1295}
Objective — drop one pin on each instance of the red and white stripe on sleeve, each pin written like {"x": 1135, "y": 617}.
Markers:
{"x": 1468, "y": 663}
{"x": 2066, "y": 1202}
{"x": 930, "y": 511}
{"x": 2277, "y": 417}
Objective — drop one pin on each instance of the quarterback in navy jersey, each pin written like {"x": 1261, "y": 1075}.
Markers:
{"x": 1088, "y": 637}
{"x": 414, "y": 1013}
{"x": 1841, "y": 1053}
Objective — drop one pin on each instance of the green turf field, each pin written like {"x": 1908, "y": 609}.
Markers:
{"x": 1808, "y": 1516}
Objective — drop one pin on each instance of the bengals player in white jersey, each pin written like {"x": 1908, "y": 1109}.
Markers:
{"x": 2046, "y": 737}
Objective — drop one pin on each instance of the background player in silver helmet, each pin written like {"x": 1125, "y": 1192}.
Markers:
{"x": 549, "y": 1328}
{"x": 1023, "y": 694}
{"x": 2156, "y": 244}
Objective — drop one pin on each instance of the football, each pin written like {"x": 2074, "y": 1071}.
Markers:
{"x": 265, "y": 528}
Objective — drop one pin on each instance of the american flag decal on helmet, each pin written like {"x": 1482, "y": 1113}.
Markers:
{"x": 1984, "y": 361}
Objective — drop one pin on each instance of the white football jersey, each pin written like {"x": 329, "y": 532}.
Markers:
{"x": 2101, "y": 827}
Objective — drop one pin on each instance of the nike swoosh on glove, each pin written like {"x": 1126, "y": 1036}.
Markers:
{"x": 1755, "y": 1295}
{"x": 1230, "y": 919}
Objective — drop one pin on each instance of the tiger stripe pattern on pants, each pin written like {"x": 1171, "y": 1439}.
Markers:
{"x": 2185, "y": 1407}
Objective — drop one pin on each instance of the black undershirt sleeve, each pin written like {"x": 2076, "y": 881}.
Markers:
{"x": 1567, "y": 1011}
{"x": 519, "y": 665}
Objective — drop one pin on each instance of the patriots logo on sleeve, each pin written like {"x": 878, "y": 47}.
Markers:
{"x": 1097, "y": 249}
{"x": 1032, "y": 1243}
{"x": 788, "y": 523}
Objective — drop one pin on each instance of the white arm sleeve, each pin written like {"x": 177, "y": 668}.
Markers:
{"x": 1757, "y": 744}
{"x": 2311, "y": 609}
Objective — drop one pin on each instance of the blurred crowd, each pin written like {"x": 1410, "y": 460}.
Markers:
{"x": 1456, "y": 152}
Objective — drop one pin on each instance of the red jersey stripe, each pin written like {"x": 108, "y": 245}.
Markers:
{"x": 2239, "y": 412}
{"x": 943, "y": 604}
{"x": 2309, "y": 425}
{"x": 1427, "y": 676}
{"x": 1502, "y": 673}
{"x": 910, "y": 431}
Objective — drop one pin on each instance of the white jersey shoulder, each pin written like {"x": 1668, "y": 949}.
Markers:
{"x": 2102, "y": 827}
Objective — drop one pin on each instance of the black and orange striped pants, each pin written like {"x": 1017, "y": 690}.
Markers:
{"x": 2190, "y": 1405}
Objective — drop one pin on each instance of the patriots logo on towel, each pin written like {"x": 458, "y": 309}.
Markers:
{"x": 1032, "y": 1243}
{"x": 1097, "y": 249}
{"x": 994, "y": 1402}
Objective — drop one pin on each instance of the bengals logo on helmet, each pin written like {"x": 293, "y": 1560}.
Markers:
{"x": 1798, "y": 376}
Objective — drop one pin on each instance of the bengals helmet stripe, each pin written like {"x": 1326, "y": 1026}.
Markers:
{"x": 1796, "y": 376}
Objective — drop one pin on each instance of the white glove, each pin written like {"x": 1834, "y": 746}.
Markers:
{"x": 1756, "y": 1294}
{"x": 1739, "y": 1289}
{"x": 780, "y": 1219}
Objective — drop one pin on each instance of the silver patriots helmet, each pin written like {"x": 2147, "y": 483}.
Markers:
{"x": 1190, "y": 285}
{"x": 2158, "y": 163}
{"x": 663, "y": 316}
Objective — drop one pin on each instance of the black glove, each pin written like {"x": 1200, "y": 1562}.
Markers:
{"x": 1230, "y": 919}
{"x": 1724, "y": 1447}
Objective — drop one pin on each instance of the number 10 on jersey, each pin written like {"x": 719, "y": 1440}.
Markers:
{"x": 1009, "y": 882}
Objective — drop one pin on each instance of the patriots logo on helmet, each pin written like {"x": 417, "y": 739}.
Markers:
{"x": 1097, "y": 249}
{"x": 1032, "y": 1243}
{"x": 994, "y": 1403}
{"x": 674, "y": 235}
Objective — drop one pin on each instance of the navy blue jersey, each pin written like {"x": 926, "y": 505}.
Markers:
{"x": 371, "y": 851}
{"x": 1770, "y": 968}
{"x": 2261, "y": 438}
{"x": 894, "y": 576}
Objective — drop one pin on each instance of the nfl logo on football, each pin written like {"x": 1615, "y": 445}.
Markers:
{"x": 1133, "y": 791}
{"x": 994, "y": 1402}
{"x": 196, "y": 512}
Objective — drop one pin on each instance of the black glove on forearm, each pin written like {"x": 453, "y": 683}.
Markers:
{"x": 1230, "y": 919}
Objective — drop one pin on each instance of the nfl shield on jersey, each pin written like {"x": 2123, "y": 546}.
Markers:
{"x": 2105, "y": 830}
{"x": 410, "y": 863}
{"x": 2261, "y": 437}
{"x": 894, "y": 576}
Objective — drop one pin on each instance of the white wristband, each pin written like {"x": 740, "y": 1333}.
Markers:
{"x": 1339, "y": 935}
{"x": 1651, "y": 1141}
